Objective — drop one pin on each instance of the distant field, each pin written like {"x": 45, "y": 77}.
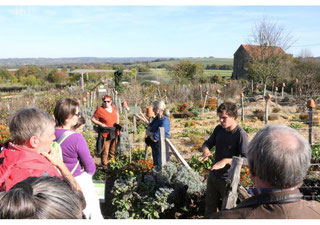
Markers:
{"x": 163, "y": 73}
{"x": 204, "y": 61}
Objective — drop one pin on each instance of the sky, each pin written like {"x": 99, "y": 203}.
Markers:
{"x": 147, "y": 31}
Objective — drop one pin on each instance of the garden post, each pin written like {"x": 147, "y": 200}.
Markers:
{"x": 231, "y": 194}
{"x": 291, "y": 91}
{"x": 125, "y": 106}
{"x": 120, "y": 106}
{"x": 275, "y": 95}
{"x": 310, "y": 105}
{"x": 267, "y": 98}
{"x": 252, "y": 86}
{"x": 205, "y": 101}
{"x": 297, "y": 81}
{"x": 163, "y": 152}
{"x": 282, "y": 90}
{"x": 218, "y": 93}
{"x": 242, "y": 107}
{"x": 200, "y": 89}
{"x": 134, "y": 127}
{"x": 264, "y": 89}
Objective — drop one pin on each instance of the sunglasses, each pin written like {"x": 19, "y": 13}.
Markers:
{"x": 78, "y": 114}
{"x": 107, "y": 101}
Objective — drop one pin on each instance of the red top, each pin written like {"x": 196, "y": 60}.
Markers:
{"x": 19, "y": 163}
{"x": 107, "y": 118}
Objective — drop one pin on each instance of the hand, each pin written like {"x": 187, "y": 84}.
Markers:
{"x": 205, "y": 157}
{"x": 53, "y": 157}
{"x": 221, "y": 164}
{"x": 152, "y": 139}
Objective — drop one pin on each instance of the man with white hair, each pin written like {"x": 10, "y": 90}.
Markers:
{"x": 279, "y": 158}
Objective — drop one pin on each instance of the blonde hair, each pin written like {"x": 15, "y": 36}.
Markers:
{"x": 159, "y": 104}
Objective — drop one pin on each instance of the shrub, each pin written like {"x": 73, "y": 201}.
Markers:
{"x": 276, "y": 110}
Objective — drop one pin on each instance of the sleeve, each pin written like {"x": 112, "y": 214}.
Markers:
{"x": 243, "y": 144}
{"x": 97, "y": 113}
{"x": 84, "y": 155}
{"x": 211, "y": 141}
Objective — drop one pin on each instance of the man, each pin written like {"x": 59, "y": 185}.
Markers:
{"x": 278, "y": 158}
{"x": 30, "y": 153}
{"x": 230, "y": 140}
{"x": 106, "y": 116}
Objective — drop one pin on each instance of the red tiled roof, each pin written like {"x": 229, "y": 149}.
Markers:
{"x": 256, "y": 50}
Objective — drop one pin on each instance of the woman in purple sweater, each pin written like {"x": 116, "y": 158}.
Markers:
{"x": 76, "y": 154}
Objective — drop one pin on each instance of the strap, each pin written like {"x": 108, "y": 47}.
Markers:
{"x": 64, "y": 137}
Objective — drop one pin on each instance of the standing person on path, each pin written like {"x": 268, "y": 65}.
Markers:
{"x": 153, "y": 135}
{"x": 76, "y": 154}
{"x": 106, "y": 116}
{"x": 230, "y": 140}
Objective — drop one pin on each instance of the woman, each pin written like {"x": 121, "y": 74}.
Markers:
{"x": 161, "y": 120}
{"x": 107, "y": 116}
{"x": 75, "y": 153}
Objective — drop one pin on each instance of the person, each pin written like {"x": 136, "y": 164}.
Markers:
{"x": 278, "y": 160}
{"x": 106, "y": 116}
{"x": 152, "y": 131}
{"x": 230, "y": 140}
{"x": 31, "y": 153}
{"x": 79, "y": 125}
{"x": 43, "y": 197}
{"x": 76, "y": 154}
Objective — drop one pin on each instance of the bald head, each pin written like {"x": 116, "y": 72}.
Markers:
{"x": 279, "y": 156}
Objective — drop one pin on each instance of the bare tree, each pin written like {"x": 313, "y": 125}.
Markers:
{"x": 269, "y": 61}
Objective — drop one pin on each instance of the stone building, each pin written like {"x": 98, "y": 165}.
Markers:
{"x": 248, "y": 53}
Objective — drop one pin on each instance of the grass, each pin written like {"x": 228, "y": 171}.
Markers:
{"x": 223, "y": 73}
{"x": 204, "y": 61}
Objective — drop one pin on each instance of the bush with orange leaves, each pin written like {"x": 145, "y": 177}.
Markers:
{"x": 141, "y": 166}
{"x": 4, "y": 133}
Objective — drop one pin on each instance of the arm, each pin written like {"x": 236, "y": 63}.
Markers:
{"x": 55, "y": 160}
{"x": 97, "y": 122}
{"x": 207, "y": 145}
{"x": 221, "y": 164}
{"x": 84, "y": 155}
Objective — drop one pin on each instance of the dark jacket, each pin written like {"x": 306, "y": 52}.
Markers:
{"x": 275, "y": 205}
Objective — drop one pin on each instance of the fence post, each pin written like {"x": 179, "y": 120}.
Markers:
{"x": 267, "y": 98}
{"x": 264, "y": 89}
{"x": 252, "y": 86}
{"x": 218, "y": 93}
{"x": 231, "y": 194}
{"x": 205, "y": 101}
{"x": 125, "y": 107}
{"x": 275, "y": 95}
{"x": 200, "y": 89}
{"x": 297, "y": 81}
{"x": 282, "y": 90}
{"x": 163, "y": 152}
{"x": 310, "y": 105}
{"x": 242, "y": 107}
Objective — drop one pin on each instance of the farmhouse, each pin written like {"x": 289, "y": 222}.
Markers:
{"x": 248, "y": 53}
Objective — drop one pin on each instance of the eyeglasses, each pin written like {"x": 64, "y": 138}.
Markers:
{"x": 78, "y": 114}
{"x": 107, "y": 101}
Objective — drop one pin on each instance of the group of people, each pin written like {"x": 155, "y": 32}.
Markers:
{"x": 39, "y": 179}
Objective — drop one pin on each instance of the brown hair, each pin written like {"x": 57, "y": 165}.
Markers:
{"x": 229, "y": 108}
{"x": 65, "y": 108}
{"x": 42, "y": 198}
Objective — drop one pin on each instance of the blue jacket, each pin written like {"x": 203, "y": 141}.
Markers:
{"x": 156, "y": 123}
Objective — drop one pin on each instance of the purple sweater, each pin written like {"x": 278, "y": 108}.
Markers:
{"x": 75, "y": 148}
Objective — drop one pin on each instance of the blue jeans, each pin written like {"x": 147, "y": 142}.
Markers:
{"x": 155, "y": 146}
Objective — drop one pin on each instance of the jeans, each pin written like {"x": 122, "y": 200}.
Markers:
{"x": 155, "y": 146}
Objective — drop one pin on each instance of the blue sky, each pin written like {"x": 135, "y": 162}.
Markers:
{"x": 146, "y": 31}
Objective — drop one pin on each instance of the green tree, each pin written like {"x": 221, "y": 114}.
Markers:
{"x": 186, "y": 71}
{"x": 5, "y": 75}
{"x": 118, "y": 75}
{"x": 30, "y": 80}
